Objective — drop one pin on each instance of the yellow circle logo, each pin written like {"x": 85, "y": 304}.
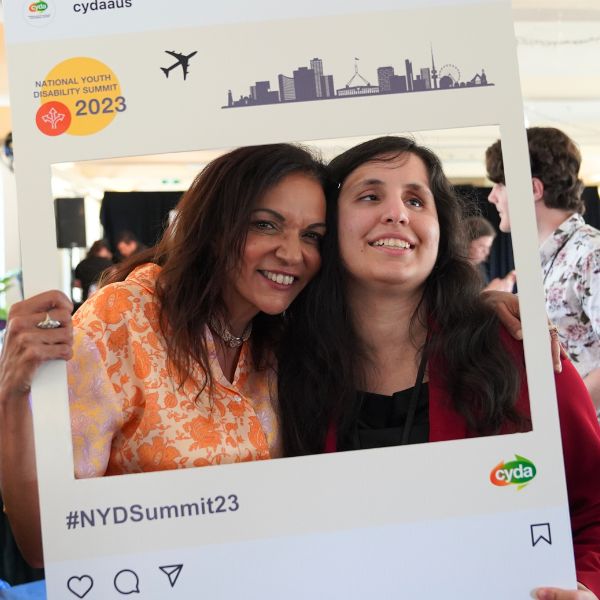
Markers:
{"x": 87, "y": 89}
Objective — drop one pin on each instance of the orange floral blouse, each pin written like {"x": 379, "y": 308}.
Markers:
{"x": 128, "y": 412}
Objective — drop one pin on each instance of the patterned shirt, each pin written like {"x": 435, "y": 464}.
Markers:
{"x": 571, "y": 265}
{"x": 130, "y": 414}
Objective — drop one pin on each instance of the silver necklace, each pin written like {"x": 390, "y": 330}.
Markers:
{"x": 228, "y": 338}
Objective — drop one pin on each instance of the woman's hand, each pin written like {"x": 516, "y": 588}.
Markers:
{"x": 581, "y": 593}
{"x": 506, "y": 306}
{"x": 27, "y": 346}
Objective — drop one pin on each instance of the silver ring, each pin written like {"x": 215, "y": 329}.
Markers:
{"x": 553, "y": 329}
{"x": 48, "y": 323}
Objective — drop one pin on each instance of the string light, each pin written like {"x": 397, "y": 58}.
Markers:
{"x": 574, "y": 42}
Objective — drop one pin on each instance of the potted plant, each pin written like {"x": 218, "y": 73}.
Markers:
{"x": 6, "y": 282}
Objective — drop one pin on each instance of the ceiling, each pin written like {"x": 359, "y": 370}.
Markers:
{"x": 559, "y": 58}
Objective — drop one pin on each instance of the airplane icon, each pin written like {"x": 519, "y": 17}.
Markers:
{"x": 182, "y": 61}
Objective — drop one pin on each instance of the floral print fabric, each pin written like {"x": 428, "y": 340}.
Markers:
{"x": 571, "y": 265}
{"x": 129, "y": 414}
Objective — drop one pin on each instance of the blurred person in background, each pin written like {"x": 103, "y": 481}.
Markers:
{"x": 480, "y": 237}
{"x": 88, "y": 271}
{"x": 481, "y": 234}
{"x": 569, "y": 248}
{"x": 128, "y": 244}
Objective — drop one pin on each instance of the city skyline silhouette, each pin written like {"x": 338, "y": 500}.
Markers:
{"x": 309, "y": 83}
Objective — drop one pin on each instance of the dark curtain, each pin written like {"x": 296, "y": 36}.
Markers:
{"x": 501, "y": 259}
{"x": 145, "y": 214}
{"x": 592, "y": 206}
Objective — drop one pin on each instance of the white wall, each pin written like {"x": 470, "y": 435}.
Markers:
{"x": 10, "y": 251}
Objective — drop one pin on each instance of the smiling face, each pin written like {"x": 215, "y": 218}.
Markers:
{"x": 282, "y": 253}
{"x": 499, "y": 198}
{"x": 388, "y": 224}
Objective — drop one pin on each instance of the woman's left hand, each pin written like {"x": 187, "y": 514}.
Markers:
{"x": 506, "y": 307}
{"x": 581, "y": 593}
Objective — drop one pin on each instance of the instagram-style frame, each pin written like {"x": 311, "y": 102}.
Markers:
{"x": 131, "y": 78}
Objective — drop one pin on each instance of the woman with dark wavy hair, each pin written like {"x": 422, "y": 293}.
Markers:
{"x": 171, "y": 362}
{"x": 392, "y": 343}
{"x": 396, "y": 286}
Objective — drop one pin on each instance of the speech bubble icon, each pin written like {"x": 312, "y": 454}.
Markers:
{"x": 127, "y": 582}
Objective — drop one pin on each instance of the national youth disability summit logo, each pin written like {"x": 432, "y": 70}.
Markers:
{"x": 517, "y": 472}
{"x": 39, "y": 13}
{"x": 79, "y": 96}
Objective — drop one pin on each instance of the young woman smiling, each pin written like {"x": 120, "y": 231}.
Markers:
{"x": 398, "y": 347}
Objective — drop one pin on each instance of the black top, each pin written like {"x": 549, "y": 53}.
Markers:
{"x": 382, "y": 418}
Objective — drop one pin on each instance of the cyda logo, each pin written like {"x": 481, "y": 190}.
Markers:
{"x": 517, "y": 472}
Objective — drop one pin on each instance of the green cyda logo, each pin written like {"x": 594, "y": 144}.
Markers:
{"x": 38, "y": 7}
{"x": 517, "y": 472}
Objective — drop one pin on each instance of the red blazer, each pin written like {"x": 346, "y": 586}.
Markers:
{"x": 580, "y": 434}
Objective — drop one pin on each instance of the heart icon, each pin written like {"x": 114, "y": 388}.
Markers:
{"x": 80, "y": 586}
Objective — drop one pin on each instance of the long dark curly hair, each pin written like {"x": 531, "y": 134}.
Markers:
{"x": 204, "y": 244}
{"x": 322, "y": 359}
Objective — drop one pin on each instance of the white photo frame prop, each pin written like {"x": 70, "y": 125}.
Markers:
{"x": 91, "y": 80}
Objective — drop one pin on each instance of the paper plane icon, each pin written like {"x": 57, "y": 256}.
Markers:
{"x": 172, "y": 572}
